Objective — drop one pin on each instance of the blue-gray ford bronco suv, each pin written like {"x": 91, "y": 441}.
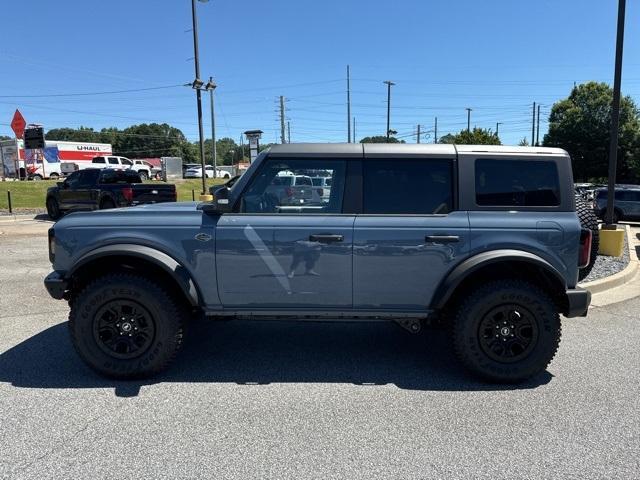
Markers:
{"x": 483, "y": 239}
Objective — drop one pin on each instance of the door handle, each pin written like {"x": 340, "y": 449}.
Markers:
{"x": 325, "y": 238}
{"x": 442, "y": 238}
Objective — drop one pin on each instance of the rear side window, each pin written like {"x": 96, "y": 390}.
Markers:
{"x": 113, "y": 161}
{"x": 408, "y": 186}
{"x": 98, "y": 160}
{"x": 517, "y": 183}
{"x": 119, "y": 176}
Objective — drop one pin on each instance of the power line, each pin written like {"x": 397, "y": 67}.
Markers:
{"x": 84, "y": 94}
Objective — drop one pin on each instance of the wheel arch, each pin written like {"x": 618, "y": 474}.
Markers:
{"x": 140, "y": 259}
{"x": 486, "y": 266}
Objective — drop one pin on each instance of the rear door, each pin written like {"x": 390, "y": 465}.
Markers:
{"x": 410, "y": 234}
{"x": 279, "y": 253}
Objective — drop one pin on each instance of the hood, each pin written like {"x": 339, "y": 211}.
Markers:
{"x": 168, "y": 213}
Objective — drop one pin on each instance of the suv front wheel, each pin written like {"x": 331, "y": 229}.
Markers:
{"x": 506, "y": 331}
{"x": 126, "y": 326}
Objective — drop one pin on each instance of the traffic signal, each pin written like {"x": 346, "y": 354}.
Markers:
{"x": 34, "y": 137}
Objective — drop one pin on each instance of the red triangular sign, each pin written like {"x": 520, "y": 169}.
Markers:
{"x": 18, "y": 123}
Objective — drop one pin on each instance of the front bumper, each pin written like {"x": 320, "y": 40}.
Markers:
{"x": 578, "y": 300}
{"x": 56, "y": 285}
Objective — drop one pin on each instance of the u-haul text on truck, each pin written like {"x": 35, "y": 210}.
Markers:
{"x": 45, "y": 162}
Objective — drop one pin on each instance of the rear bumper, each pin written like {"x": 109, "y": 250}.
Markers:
{"x": 56, "y": 285}
{"x": 578, "y": 300}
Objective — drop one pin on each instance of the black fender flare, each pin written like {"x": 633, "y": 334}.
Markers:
{"x": 462, "y": 271}
{"x": 152, "y": 255}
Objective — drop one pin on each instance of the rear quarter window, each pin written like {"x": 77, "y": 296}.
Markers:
{"x": 517, "y": 183}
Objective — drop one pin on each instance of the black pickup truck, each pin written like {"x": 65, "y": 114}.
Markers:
{"x": 93, "y": 189}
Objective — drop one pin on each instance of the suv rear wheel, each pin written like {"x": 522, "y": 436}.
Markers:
{"x": 126, "y": 326}
{"x": 507, "y": 331}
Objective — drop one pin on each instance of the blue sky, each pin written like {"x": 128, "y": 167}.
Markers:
{"x": 496, "y": 57}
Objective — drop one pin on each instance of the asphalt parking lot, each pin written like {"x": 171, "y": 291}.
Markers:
{"x": 319, "y": 400}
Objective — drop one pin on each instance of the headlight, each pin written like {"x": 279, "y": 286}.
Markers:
{"x": 52, "y": 245}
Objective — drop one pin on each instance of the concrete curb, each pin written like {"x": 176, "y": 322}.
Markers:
{"x": 620, "y": 278}
{"x": 19, "y": 217}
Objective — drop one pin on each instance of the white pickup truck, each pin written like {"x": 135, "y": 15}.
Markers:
{"x": 143, "y": 167}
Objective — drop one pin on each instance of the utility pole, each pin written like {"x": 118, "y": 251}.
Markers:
{"x": 538, "y": 128}
{"x": 468, "y": 119}
{"x": 354, "y": 129}
{"x": 435, "y": 130}
{"x": 389, "y": 84}
{"x": 497, "y": 128}
{"x": 418, "y": 141}
{"x": 533, "y": 125}
{"x": 211, "y": 87}
{"x": 615, "y": 116}
{"x": 288, "y": 132}
{"x": 349, "y": 108}
{"x": 282, "y": 137}
{"x": 197, "y": 83}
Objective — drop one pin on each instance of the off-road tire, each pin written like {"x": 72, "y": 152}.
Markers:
{"x": 107, "y": 204}
{"x": 169, "y": 317}
{"x": 53, "y": 208}
{"x": 588, "y": 219}
{"x": 467, "y": 335}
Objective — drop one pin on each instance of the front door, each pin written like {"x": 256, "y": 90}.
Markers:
{"x": 286, "y": 247}
{"x": 409, "y": 235}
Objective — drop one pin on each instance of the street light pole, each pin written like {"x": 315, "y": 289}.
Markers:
{"x": 615, "y": 115}
{"x": 389, "y": 84}
{"x": 197, "y": 83}
{"x": 211, "y": 86}
{"x": 468, "y": 119}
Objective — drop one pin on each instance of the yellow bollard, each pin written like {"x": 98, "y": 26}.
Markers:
{"x": 611, "y": 242}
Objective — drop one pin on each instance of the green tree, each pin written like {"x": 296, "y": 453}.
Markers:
{"x": 381, "y": 139}
{"x": 477, "y": 136}
{"x": 4, "y": 137}
{"x": 82, "y": 134}
{"x": 581, "y": 125}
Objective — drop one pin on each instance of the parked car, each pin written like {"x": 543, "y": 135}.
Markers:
{"x": 144, "y": 168}
{"x": 93, "y": 189}
{"x": 196, "y": 172}
{"x": 483, "y": 239}
{"x": 627, "y": 203}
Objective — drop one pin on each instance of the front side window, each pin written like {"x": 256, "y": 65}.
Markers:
{"x": 408, "y": 186}
{"x": 517, "y": 183}
{"x": 278, "y": 188}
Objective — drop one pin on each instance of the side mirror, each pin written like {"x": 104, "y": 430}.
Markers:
{"x": 221, "y": 203}
{"x": 221, "y": 199}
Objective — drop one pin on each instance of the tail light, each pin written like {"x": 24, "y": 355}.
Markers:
{"x": 127, "y": 193}
{"x": 320, "y": 192}
{"x": 585, "y": 248}
{"x": 289, "y": 192}
{"x": 52, "y": 245}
